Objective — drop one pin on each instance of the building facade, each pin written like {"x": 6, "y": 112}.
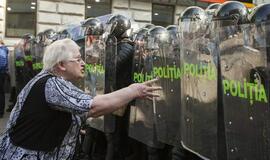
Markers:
{"x": 57, "y": 14}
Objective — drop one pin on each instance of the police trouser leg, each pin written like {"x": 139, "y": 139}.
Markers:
{"x": 115, "y": 146}
{"x": 95, "y": 145}
{"x": 153, "y": 153}
{"x": 178, "y": 153}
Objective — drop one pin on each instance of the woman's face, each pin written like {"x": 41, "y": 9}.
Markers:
{"x": 74, "y": 67}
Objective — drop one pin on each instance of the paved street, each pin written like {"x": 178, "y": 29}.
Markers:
{"x": 4, "y": 120}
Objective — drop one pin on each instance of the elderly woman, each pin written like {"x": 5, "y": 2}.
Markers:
{"x": 46, "y": 119}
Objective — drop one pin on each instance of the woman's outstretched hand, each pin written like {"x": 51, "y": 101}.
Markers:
{"x": 146, "y": 90}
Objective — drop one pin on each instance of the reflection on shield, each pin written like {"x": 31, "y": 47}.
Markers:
{"x": 95, "y": 73}
{"x": 19, "y": 66}
{"x": 28, "y": 65}
{"x": 166, "y": 66}
{"x": 37, "y": 51}
{"x": 110, "y": 78}
{"x": 141, "y": 126}
{"x": 198, "y": 92}
{"x": 24, "y": 62}
{"x": 245, "y": 93}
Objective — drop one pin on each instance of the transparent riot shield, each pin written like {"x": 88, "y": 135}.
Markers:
{"x": 23, "y": 63}
{"x": 111, "y": 55}
{"x": 141, "y": 125}
{"x": 110, "y": 78}
{"x": 166, "y": 66}
{"x": 28, "y": 59}
{"x": 95, "y": 73}
{"x": 77, "y": 35}
{"x": 245, "y": 93}
{"x": 19, "y": 65}
{"x": 198, "y": 91}
{"x": 37, "y": 51}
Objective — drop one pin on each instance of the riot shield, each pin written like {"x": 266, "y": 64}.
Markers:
{"x": 245, "y": 93}
{"x": 198, "y": 91}
{"x": 28, "y": 59}
{"x": 141, "y": 124}
{"x": 37, "y": 51}
{"x": 77, "y": 34}
{"x": 95, "y": 73}
{"x": 19, "y": 65}
{"x": 166, "y": 64}
{"x": 23, "y": 62}
{"x": 110, "y": 78}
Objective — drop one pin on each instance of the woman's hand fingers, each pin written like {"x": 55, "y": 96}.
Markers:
{"x": 153, "y": 95}
{"x": 150, "y": 81}
{"x": 149, "y": 98}
{"x": 150, "y": 89}
{"x": 148, "y": 92}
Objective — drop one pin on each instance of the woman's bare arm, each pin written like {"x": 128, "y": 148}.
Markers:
{"x": 107, "y": 103}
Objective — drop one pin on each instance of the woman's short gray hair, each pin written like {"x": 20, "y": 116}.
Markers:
{"x": 58, "y": 51}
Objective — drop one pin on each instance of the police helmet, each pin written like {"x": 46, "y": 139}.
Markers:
{"x": 140, "y": 35}
{"x": 173, "y": 34}
{"x": 50, "y": 34}
{"x": 40, "y": 37}
{"x": 93, "y": 26}
{"x": 193, "y": 13}
{"x": 28, "y": 37}
{"x": 149, "y": 26}
{"x": 64, "y": 34}
{"x": 172, "y": 29}
{"x": 260, "y": 14}
{"x": 193, "y": 22}
{"x": 213, "y": 6}
{"x": 27, "y": 40}
{"x": 119, "y": 25}
{"x": 158, "y": 35}
{"x": 233, "y": 11}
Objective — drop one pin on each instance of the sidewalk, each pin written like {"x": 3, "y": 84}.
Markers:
{"x": 4, "y": 120}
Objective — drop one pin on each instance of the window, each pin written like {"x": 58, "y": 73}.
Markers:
{"x": 95, "y": 8}
{"x": 162, "y": 15}
{"x": 20, "y": 17}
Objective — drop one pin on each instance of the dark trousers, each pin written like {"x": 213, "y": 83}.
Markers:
{"x": 179, "y": 153}
{"x": 94, "y": 144}
{"x": 2, "y": 93}
{"x": 117, "y": 141}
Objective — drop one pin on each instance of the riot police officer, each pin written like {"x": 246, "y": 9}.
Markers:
{"x": 116, "y": 124}
{"x": 20, "y": 74}
{"x": 240, "y": 61}
{"x": 94, "y": 143}
{"x": 193, "y": 27}
{"x": 151, "y": 45}
{"x": 138, "y": 149}
{"x": 23, "y": 62}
